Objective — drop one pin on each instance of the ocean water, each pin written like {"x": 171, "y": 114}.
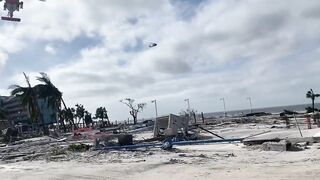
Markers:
{"x": 276, "y": 109}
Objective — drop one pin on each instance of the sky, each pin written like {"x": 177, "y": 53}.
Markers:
{"x": 96, "y": 52}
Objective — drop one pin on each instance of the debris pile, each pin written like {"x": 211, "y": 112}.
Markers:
{"x": 167, "y": 133}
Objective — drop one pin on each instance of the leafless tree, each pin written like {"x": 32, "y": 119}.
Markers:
{"x": 134, "y": 109}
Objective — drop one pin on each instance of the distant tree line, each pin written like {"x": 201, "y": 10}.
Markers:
{"x": 68, "y": 117}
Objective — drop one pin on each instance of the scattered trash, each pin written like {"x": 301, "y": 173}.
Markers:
{"x": 176, "y": 161}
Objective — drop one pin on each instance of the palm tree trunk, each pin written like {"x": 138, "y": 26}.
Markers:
{"x": 64, "y": 104}
{"x": 83, "y": 122}
{"x": 313, "y": 104}
{"x": 63, "y": 125}
{"x": 314, "y": 120}
{"x": 65, "y": 107}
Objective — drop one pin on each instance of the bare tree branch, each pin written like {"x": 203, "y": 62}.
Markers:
{"x": 133, "y": 110}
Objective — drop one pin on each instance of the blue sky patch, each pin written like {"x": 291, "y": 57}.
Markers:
{"x": 35, "y": 58}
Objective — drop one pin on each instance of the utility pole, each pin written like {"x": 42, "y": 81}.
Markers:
{"x": 188, "y": 101}
{"x": 156, "y": 107}
{"x": 249, "y": 99}
{"x": 224, "y": 106}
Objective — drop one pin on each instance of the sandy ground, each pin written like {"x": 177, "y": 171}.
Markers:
{"x": 220, "y": 161}
{"x": 210, "y": 161}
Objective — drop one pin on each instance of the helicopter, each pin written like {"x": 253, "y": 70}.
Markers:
{"x": 151, "y": 45}
{"x": 11, "y": 6}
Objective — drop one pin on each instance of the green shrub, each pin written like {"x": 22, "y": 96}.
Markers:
{"x": 79, "y": 147}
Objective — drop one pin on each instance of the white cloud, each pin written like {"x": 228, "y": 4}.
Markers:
{"x": 3, "y": 59}
{"x": 264, "y": 49}
{"x": 50, "y": 49}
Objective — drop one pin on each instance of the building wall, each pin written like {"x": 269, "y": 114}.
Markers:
{"x": 4, "y": 124}
{"x": 18, "y": 113}
{"x": 170, "y": 125}
{"x": 177, "y": 123}
{"x": 160, "y": 123}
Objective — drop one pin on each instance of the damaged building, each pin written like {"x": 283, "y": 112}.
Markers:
{"x": 16, "y": 112}
{"x": 170, "y": 125}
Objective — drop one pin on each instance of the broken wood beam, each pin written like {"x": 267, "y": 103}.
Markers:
{"x": 250, "y": 142}
{"x": 210, "y": 132}
{"x": 264, "y": 132}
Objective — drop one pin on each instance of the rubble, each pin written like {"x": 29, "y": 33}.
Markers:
{"x": 138, "y": 146}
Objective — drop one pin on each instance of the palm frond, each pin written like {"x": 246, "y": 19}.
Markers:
{"x": 45, "y": 79}
{"x": 311, "y": 90}
{"x": 309, "y": 94}
{"x": 18, "y": 90}
{"x": 27, "y": 79}
{"x": 14, "y": 86}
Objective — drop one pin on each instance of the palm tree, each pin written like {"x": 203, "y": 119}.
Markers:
{"x": 87, "y": 118}
{"x": 310, "y": 94}
{"x": 80, "y": 113}
{"x": 53, "y": 95}
{"x": 28, "y": 98}
{"x": 49, "y": 92}
{"x": 68, "y": 116}
{"x": 102, "y": 113}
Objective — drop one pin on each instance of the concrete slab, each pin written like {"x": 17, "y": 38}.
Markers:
{"x": 275, "y": 146}
{"x": 286, "y": 134}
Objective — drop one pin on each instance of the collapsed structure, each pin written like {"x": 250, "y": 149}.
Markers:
{"x": 170, "y": 125}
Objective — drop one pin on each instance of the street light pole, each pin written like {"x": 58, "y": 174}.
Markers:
{"x": 249, "y": 98}
{"x": 155, "y": 106}
{"x": 188, "y": 101}
{"x": 224, "y": 106}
